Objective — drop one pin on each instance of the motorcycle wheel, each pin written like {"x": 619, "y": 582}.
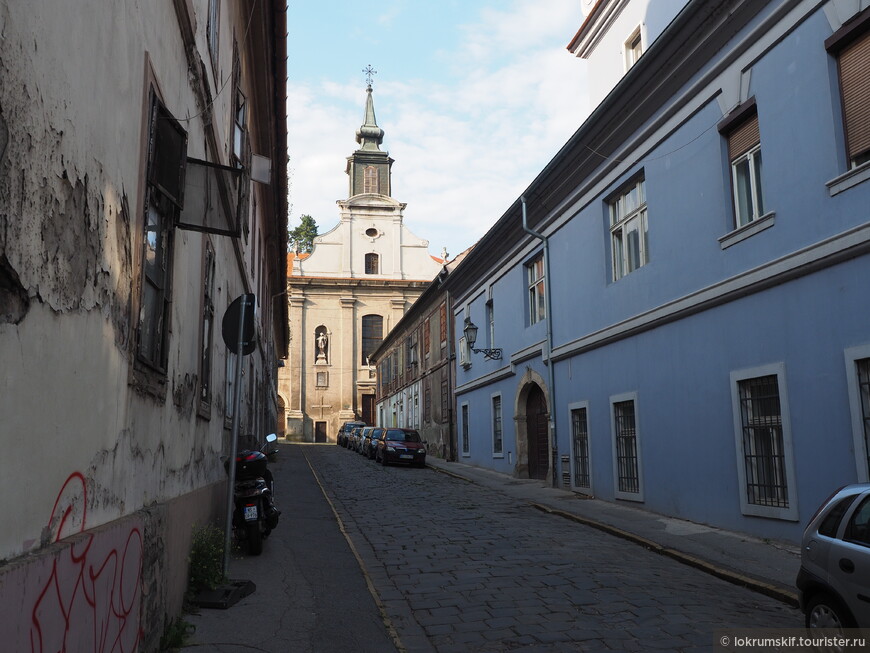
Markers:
{"x": 255, "y": 539}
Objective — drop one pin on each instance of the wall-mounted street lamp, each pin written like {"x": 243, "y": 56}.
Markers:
{"x": 470, "y": 332}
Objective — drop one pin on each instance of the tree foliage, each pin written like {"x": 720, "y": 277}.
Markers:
{"x": 301, "y": 239}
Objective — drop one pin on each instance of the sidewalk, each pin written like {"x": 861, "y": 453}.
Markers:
{"x": 763, "y": 566}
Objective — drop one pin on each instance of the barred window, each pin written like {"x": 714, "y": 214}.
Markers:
{"x": 628, "y": 477}
{"x": 580, "y": 437}
{"x": 496, "y": 426}
{"x": 763, "y": 450}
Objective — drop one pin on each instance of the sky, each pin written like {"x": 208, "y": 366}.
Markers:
{"x": 475, "y": 97}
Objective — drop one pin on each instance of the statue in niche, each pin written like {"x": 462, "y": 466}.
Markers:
{"x": 322, "y": 348}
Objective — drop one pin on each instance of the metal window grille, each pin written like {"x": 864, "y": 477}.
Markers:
{"x": 496, "y": 425}
{"x": 466, "y": 446}
{"x": 580, "y": 433}
{"x": 863, "y": 366}
{"x": 626, "y": 447}
{"x": 445, "y": 401}
{"x": 763, "y": 451}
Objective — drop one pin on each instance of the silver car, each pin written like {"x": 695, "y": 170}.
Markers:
{"x": 834, "y": 579}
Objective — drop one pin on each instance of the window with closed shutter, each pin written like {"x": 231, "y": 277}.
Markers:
{"x": 854, "y": 63}
{"x": 851, "y": 47}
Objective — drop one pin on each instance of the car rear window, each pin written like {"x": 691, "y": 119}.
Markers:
{"x": 403, "y": 436}
{"x": 831, "y": 522}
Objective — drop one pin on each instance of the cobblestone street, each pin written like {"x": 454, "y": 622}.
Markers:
{"x": 464, "y": 568}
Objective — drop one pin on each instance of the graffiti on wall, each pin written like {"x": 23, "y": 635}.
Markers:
{"x": 90, "y": 600}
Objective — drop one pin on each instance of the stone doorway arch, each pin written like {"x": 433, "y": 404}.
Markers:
{"x": 531, "y": 417}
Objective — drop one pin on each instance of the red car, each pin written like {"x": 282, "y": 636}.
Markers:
{"x": 400, "y": 446}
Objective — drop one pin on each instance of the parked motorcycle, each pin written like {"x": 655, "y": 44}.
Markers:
{"x": 255, "y": 513}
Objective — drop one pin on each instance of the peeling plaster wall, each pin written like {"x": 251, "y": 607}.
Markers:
{"x": 71, "y": 165}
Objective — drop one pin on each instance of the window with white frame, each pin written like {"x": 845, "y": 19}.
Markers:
{"x": 763, "y": 443}
{"x": 464, "y": 354}
{"x": 497, "y": 444}
{"x": 633, "y": 49}
{"x": 580, "y": 442}
{"x": 629, "y": 230}
{"x": 626, "y": 448}
{"x": 744, "y": 153}
{"x": 537, "y": 296}
{"x": 466, "y": 444}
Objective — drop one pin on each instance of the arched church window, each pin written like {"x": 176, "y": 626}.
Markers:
{"x": 372, "y": 335}
{"x": 370, "y": 180}
{"x": 372, "y": 261}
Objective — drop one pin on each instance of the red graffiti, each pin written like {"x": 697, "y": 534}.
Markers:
{"x": 91, "y": 599}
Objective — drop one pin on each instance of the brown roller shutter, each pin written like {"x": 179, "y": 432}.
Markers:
{"x": 744, "y": 138}
{"x": 855, "y": 83}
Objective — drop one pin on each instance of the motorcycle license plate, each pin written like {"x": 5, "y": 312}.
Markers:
{"x": 406, "y": 456}
{"x": 250, "y": 513}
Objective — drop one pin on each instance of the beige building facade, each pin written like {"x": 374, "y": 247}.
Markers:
{"x": 344, "y": 297}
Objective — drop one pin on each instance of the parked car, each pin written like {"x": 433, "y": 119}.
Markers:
{"x": 400, "y": 446}
{"x": 834, "y": 578}
{"x": 353, "y": 438}
{"x": 363, "y": 438}
{"x": 344, "y": 432}
{"x": 370, "y": 442}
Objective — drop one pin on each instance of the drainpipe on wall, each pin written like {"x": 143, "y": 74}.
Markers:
{"x": 551, "y": 421}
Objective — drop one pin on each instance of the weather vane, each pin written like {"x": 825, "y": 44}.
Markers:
{"x": 369, "y": 71}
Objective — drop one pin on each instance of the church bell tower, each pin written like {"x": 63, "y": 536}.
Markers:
{"x": 368, "y": 167}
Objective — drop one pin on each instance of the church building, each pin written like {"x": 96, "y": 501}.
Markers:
{"x": 344, "y": 297}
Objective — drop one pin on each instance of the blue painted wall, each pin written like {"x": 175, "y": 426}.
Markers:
{"x": 681, "y": 370}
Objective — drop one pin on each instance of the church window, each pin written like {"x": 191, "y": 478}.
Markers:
{"x": 372, "y": 261}
{"x": 372, "y": 335}
{"x": 370, "y": 180}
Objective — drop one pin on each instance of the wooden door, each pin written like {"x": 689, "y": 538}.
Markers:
{"x": 368, "y": 409}
{"x": 320, "y": 431}
{"x": 537, "y": 427}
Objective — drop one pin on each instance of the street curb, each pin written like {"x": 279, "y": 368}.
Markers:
{"x": 759, "y": 586}
{"x": 762, "y": 587}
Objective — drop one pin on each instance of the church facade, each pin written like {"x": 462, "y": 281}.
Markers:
{"x": 344, "y": 297}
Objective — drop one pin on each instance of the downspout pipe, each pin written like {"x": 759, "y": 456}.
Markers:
{"x": 551, "y": 420}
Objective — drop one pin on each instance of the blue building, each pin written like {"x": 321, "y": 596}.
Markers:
{"x": 682, "y": 296}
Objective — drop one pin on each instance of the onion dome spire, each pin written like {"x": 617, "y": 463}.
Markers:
{"x": 369, "y": 135}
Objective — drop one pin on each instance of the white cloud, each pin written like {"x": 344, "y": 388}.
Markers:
{"x": 465, "y": 145}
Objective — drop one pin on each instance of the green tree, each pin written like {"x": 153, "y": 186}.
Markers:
{"x": 301, "y": 239}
